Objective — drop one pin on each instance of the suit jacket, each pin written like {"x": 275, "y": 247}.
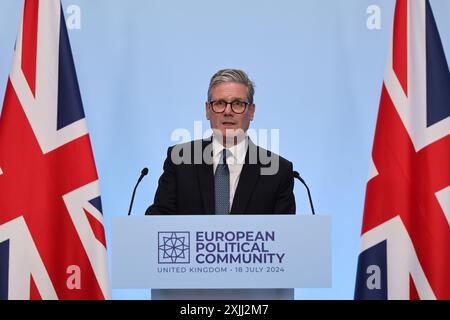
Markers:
{"x": 188, "y": 188}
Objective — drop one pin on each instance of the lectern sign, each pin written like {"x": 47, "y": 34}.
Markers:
{"x": 173, "y": 247}
{"x": 238, "y": 251}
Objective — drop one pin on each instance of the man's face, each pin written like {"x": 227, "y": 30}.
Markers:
{"x": 228, "y": 122}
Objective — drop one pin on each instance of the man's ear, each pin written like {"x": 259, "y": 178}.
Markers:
{"x": 207, "y": 110}
{"x": 252, "y": 109}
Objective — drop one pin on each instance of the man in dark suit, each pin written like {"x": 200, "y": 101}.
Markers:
{"x": 227, "y": 173}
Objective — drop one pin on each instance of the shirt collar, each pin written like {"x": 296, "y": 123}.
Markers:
{"x": 238, "y": 151}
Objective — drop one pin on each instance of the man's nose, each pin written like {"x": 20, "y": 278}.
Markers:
{"x": 228, "y": 110}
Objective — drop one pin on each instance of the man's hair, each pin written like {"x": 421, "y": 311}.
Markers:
{"x": 232, "y": 75}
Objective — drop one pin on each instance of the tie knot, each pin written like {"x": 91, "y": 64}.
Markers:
{"x": 225, "y": 154}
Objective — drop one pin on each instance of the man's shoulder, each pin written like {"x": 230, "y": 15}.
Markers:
{"x": 190, "y": 152}
{"x": 191, "y": 144}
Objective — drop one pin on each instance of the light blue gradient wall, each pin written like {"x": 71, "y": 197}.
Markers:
{"x": 144, "y": 66}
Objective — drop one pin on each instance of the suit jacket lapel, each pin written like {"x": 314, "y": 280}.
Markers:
{"x": 206, "y": 179}
{"x": 247, "y": 181}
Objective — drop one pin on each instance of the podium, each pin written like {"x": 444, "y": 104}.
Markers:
{"x": 221, "y": 257}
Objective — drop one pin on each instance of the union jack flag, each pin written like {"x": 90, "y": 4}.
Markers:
{"x": 405, "y": 250}
{"x": 52, "y": 241}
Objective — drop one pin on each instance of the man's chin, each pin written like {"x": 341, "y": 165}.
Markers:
{"x": 229, "y": 135}
{"x": 229, "y": 132}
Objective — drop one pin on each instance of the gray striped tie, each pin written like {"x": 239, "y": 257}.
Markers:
{"x": 222, "y": 185}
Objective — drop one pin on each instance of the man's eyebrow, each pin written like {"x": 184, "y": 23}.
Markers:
{"x": 231, "y": 100}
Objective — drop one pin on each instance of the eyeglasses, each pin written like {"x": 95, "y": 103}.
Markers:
{"x": 237, "y": 106}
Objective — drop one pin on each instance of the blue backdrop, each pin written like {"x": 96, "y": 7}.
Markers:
{"x": 144, "y": 67}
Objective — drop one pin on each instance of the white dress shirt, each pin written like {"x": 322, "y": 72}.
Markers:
{"x": 235, "y": 162}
